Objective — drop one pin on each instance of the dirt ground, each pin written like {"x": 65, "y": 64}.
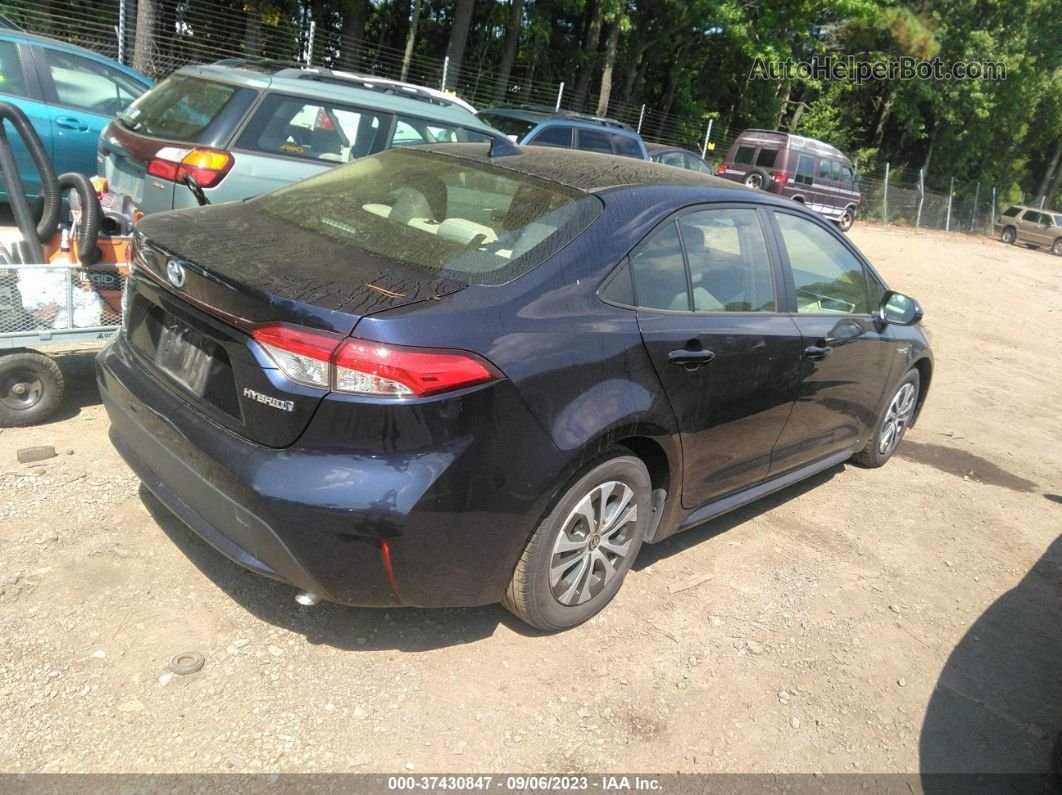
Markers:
{"x": 902, "y": 619}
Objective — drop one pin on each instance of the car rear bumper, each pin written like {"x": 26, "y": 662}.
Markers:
{"x": 315, "y": 516}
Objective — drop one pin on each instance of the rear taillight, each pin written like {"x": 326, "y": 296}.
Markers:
{"x": 363, "y": 367}
{"x": 722, "y": 169}
{"x": 206, "y": 166}
{"x": 779, "y": 178}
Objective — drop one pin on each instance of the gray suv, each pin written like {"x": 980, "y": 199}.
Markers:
{"x": 1034, "y": 227}
{"x": 230, "y": 131}
{"x": 566, "y": 131}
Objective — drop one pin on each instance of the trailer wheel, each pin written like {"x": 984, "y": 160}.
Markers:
{"x": 31, "y": 388}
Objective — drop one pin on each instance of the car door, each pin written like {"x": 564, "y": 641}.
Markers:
{"x": 846, "y": 357}
{"x": 728, "y": 361}
{"x": 84, "y": 95}
{"x": 20, "y": 86}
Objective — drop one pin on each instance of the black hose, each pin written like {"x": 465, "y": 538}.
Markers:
{"x": 49, "y": 222}
{"x": 87, "y": 253}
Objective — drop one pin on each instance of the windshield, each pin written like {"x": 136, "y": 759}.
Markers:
{"x": 438, "y": 213}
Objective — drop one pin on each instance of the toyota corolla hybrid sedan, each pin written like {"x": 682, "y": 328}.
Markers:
{"x": 455, "y": 375}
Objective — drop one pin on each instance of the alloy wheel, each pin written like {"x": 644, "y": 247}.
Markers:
{"x": 897, "y": 418}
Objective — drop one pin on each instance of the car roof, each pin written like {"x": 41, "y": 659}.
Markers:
{"x": 33, "y": 38}
{"x": 655, "y": 149}
{"x": 324, "y": 84}
{"x": 799, "y": 142}
{"x": 590, "y": 172}
{"x": 547, "y": 116}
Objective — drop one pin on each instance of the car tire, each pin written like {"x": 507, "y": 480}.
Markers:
{"x": 890, "y": 427}
{"x": 576, "y": 560}
{"x": 31, "y": 389}
{"x": 1009, "y": 236}
{"x": 1056, "y": 248}
{"x": 847, "y": 219}
{"x": 756, "y": 179}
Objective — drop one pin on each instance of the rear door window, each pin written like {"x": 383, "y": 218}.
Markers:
{"x": 555, "y": 135}
{"x": 595, "y": 141}
{"x": 179, "y": 109}
{"x": 625, "y": 146}
{"x": 311, "y": 129}
{"x": 730, "y": 270}
{"x": 744, "y": 155}
{"x": 805, "y": 172}
{"x": 766, "y": 158}
{"x": 673, "y": 159}
{"x": 659, "y": 272}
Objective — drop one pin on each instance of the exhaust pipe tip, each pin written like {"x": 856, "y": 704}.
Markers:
{"x": 307, "y": 599}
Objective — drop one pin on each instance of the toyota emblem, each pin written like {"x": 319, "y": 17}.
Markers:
{"x": 175, "y": 273}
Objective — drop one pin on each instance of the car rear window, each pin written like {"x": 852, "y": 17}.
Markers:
{"x": 626, "y": 146}
{"x": 1011, "y": 211}
{"x": 438, "y": 214}
{"x": 180, "y": 108}
{"x": 766, "y": 158}
{"x": 744, "y": 154}
{"x": 517, "y": 128}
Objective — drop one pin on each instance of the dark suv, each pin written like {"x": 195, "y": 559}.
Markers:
{"x": 566, "y": 131}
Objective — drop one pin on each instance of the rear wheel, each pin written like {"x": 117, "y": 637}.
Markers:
{"x": 756, "y": 179}
{"x": 1009, "y": 235}
{"x": 31, "y": 388}
{"x": 578, "y": 556}
{"x": 892, "y": 424}
{"x": 1056, "y": 249}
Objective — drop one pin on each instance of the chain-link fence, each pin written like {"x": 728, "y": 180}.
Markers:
{"x": 202, "y": 32}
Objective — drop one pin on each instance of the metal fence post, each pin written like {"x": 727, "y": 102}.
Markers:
{"x": 309, "y": 45}
{"x": 885, "y": 197}
{"x": 992, "y": 214}
{"x": 921, "y": 195}
{"x": 640, "y": 117}
{"x": 707, "y": 135}
{"x": 446, "y": 68}
{"x": 560, "y": 93}
{"x": 951, "y": 192}
{"x": 973, "y": 217}
{"x": 121, "y": 31}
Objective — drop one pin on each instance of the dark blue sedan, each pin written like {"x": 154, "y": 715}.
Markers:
{"x": 450, "y": 376}
{"x": 68, "y": 93}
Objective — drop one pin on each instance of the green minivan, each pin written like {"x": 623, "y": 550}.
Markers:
{"x": 232, "y": 130}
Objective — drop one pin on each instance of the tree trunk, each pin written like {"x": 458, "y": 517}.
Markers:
{"x": 589, "y": 59}
{"x": 512, "y": 45}
{"x": 611, "y": 47}
{"x": 1051, "y": 172}
{"x": 783, "y": 104}
{"x": 458, "y": 39}
{"x": 886, "y": 111}
{"x": 355, "y": 15}
{"x": 410, "y": 40}
{"x": 1052, "y": 187}
{"x": 144, "y": 46}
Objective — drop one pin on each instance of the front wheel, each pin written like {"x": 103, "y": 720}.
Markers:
{"x": 578, "y": 556}
{"x": 31, "y": 388}
{"x": 892, "y": 424}
{"x": 846, "y": 220}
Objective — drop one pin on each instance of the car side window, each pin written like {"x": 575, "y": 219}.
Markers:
{"x": 87, "y": 85}
{"x": 12, "y": 80}
{"x": 556, "y": 135}
{"x": 696, "y": 164}
{"x": 625, "y": 146}
{"x": 312, "y": 130}
{"x": 828, "y": 278}
{"x": 595, "y": 141}
{"x": 730, "y": 270}
{"x": 824, "y": 169}
{"x": 766, "y": 158}
{"x": 805, "y": 171}
{"x": 847, "y": 176}
{"x": 659, "y": 271}
{"x": 744, "y": 154}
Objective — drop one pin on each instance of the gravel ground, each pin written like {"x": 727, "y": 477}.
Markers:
{"x": 898, "y": 620}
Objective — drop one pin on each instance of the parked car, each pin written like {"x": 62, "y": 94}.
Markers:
{"x": 68, "y": 93}
{"x": 678, "y": 157}
{"x": 1032, "y": 226}
{"x": 811, "y": 172}
{"x": 329, "y": 382}
{"x": 566, "y": 131}
{"x": 245, "y": 129}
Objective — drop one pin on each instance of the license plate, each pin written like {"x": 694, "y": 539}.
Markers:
{"x": 126, "y": 179}
{"x": 185, "y": 356}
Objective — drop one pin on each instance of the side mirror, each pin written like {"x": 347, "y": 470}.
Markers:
{"x": 899, "y": 309}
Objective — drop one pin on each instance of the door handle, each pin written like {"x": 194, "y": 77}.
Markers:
{"x": 818, "y": 352}
{"x": 691, "y": 360}
{"x": 70, "y": 123}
